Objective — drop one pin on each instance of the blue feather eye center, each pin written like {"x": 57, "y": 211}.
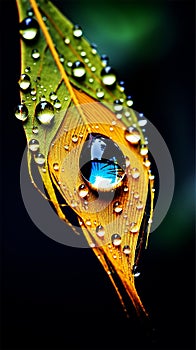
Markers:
{"x": 102, "y": 163}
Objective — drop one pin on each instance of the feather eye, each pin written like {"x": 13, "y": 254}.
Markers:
{"x": 85, "y": 139}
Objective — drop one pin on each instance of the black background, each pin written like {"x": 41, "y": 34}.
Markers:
{"x": 58, "y": 297}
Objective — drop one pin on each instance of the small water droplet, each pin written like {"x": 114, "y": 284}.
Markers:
{"x": 21, "y": 112}
{"x": 35, "y": 130}
{"x": 67, "y": 41}
{"x": 100, "y": 93}
{"x": 143, "y": 150}
{"x": 93, "y": 69}
{"x": 126, "y": 189}
{"x": 134, "y": 228}
{"x": 91, "y": 80}
{"x": 29, "y": 29}
{"x": 139, "y": 205}
{"x": 132, "y": 135}
{"x": 135, "y": 271}
{"x": 33, "y": 92}
{"x": 44, "y": 112}
{"x": 121, "y": 85}
{"x": 24, "y": 82}
{"x": 116, "y": 239}
{"x": 39, "y": 158}
{"x": 34, "y": 98}
{"x": 142, "y": 122}
{"x": 77, "y": 31}
{"x": 69, "y": 64}
{"x": 30, "y": 13}
{"x": 117, "y": 207}
{"x": 66, "y": 147}
{"x": 104, "y": 60}
{"x": 100, "y": 231}
{"x": 56, "y": 166}
{"x": 119, "y": 116}
{"x": 118, "y": 105}
{"x": 108, "y": 76}
{"x": 94, "y": 48}
{"x": 88, "y": 222}
{"x": 146, "y": 162}
{"x": 53, "y": 96}
{"x": 129, "y": 101}
{"x": 27, "y": 69}
{"x": 136, "y": 195}
{"x": 74, "y": 138}
{"x": 57, "y": 104}
{"x": 83, "y": 190}
{"x": 126, "y": 249}
{"x": 78, "y": 70}
{"x": 43, "y": 98}
{"x": 74, "y": 203}
{"x": 135, "y": 173}
{"x": 35, "y": 54}
{"x": 127, "y": 161}
{"x": 83, "y": 53}
{"x": 33, "y": 145}
{"x": 61, "y": 58}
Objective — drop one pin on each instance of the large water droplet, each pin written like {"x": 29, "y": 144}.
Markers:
{"x": 34, "y": 145}
{"x": 21, "y": 112}
{"x": 100, "y": 231}
{"x": 117, "y": 207}
{"x": 44, "y": 112}
{"x": 102, "y": 163}
{"x": 29, "y": 29}
{"x": 116, "y": 239}
{"x": 108, "y": 76}
{"x": 83, "y": 190}
{"x": 39, "y": 158}
{"x": 24, "y": 82}
{"x": 35, "y": 54}
{"x": 132, "y": 135}
{"x": 77, "y": 31}
{"x": 78, "y": 70}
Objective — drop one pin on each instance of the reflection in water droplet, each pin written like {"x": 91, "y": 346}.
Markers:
{"x": 100, "y": 231}
{"x": 57, "y": 104}
{"x": 143, "y": 150}
{"x": 117, "y": 207}
{"x": 116, "y": 239}
{"x": 77, "y": 31}
{"x": 126, "y": 249}
{"x": 74, "y": 138}
{"x": 35, "y": 130}
{"x": 35, "y": 54}
{"x": 56, "y": 166}
{"x": 78, "y": 70}
{"x": 100, "y": 93}
{"x": 39, "y": 158}
{"x": 102, "y": 163}
{"x": 34, "y": 145}
{"x": 135, "y": 173}
{"x": 24, "y": 82}
{"x": 21, "y": 112}
{"x": 132, "y": 135}
{"x": 83, "y": 190}
{"x": 44, "y": 112}
{"x": 29, "y": 28}
{"x": 118, "y": 105}
{"x": 108, "y": 76}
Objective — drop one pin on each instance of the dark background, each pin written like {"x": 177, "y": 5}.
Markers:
{"x": 58, "y": 297}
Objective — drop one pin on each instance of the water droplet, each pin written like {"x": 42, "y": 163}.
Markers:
{"x": 33, "y": 92}
{"x": 116, "y": 239}
{"x": 91, "y": 80}
{"x": 30, "y": 13}
{"x": 74, "y": 138}
{"x": 126, "y": 189}
{"x": 146, "y": 162}
{"x": 139, "y": 205}
{"x": 93, "y": 69}
{"x": 102, "y": 163}
{"x": 82, "y": 53}
{"x": 57, "y": 104}
{"x": 117, "y": 207}
{"x": 44, "y": 112}
{"x": 94, "y": 48}
{"x": 127, "y": 161}
{"x": 21, "y": 112}
{"x": 56, "y": 166}
{"x": 119, "y": 116}
{"x": 53, "y": 96}
{"x": 69, "y": 64}
{"x": 143, "y": 150}
{"x": 35, "y": 54}
{"x": 126, "y": 249}
{"x": 100, "y": 93}
{"x": 134, "y": 228}
{"x": 135, "y": 271}
{"x": 66, "y": 147}
{"x": 39, "y": 158}
{"x": 121, "y": 85}
{"x": 67, "y": 41}
{"x": 129, "y": 101}
{"x": 142, "y": 122}
{"x": 35, "y": 130}
{"x": 104, "y": 60}
{"x": 136, "y": 195}
{"x": 83, "y": 190}
{"x": 135, "y": 173}
{"x": 24, "y": 82}
{"x": 33, "y": 145}
{"x": 77, "y": 31}
{"x": 78, "y": 70}
{"x": 100, "y": 231}
{"x": 118, "y": 105}
{"x": 61, "y": 58}
{"x": 29, "y": 29}
{"x": 132, "y": 135}
{"x": 27, "y": 69}
{"x": 74, "y": 203}
{"x": 108, "y": 76}
{"x": 88, "y": 222}
{"x": 43, "y": 98}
